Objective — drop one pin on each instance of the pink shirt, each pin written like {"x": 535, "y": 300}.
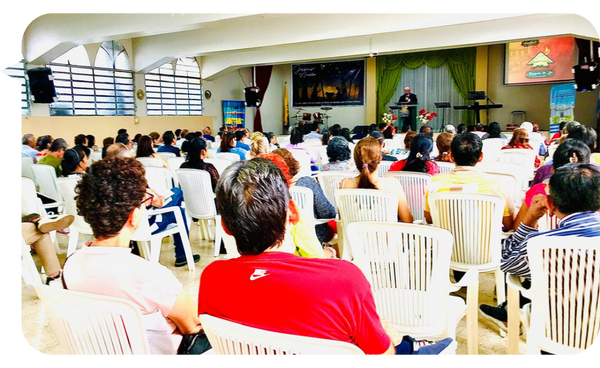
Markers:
{"x": 533, "y": 191}
{"x": 114, "y": 271}
{"x": 276, "y": 291}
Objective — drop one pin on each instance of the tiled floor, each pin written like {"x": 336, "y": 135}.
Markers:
{"x": 39, "y": 334}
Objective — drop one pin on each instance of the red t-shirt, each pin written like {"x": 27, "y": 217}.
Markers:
{"x": 281, "y": 292}
{"x": 432, "y": 167}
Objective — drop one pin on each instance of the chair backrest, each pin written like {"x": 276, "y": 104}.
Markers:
{"x": 511, "y": 183}
{"x": 212, "y": 153}
{"x": 160, "y": 179}
{"x": 323, "y": 158}
{"x": 233, "y": 157}
{"x": 66, "y": 187}
{"x": 312, "y": 142}
{"x": 150, "y": 161}
{"x": 565, "y": 280}
{"x": 166, "y": 155}
{"x": 174, "y": 164}
{"x": 506, "y": 168}
{"x": 389, "y": 144}
{"x": 304, "y": 160}
{"x": 330, "y": 182}
{"x": 475, "y": 221}
{"x": 197, "y": 193}
{"x": 547, "y": 223}
{"x": 94, "y": 157}
{"x": 522, "y": 157}
{"x": 445, "y": 167}
{"x": 414, "y": 185}
{"x": 384, "y": 166}
{"x": 26, "y": 170}
{"x": 94, "y": 324}
{"x": 30, "y": 203}
{"x": 491, "y": 148}
{"x": 45, "y": 176}
{"x": 219, "y": 163}
{"x": 304, "y": 199}
{"x": 230, "y": 338}
{"x": 407, "y": 266}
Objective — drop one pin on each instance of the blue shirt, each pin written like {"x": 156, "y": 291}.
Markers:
{"x": 242, "y": 145}
{"x": 240, "y": 152}
{"x": 27, "y": 151}
{"x": 313, "y": 135}
{"x": 172, "y": 149}
{"x": 514, "y": 249}
{"x": 208, "y": 137}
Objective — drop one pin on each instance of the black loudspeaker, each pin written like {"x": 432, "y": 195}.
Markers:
{"x": 251, "y": 94}
{"x": 587, "y": 76}
{"x": 41, "y": 85}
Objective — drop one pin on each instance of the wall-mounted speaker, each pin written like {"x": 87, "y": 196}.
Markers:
{"x": 41, "y": 85}
{"x": 251, "y": 94}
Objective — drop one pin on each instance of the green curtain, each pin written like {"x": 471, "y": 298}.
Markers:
{"x": 461, "y": 64}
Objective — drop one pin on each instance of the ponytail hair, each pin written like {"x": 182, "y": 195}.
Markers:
{"x": 367, "y": 156}
{"x": 420, "y": 148}
{"x": 70, "y": 161}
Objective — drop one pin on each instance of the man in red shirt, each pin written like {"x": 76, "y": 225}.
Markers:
{"x": 271, "y": 289}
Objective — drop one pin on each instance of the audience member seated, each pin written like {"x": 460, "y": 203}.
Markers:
{"x": 570, "y": 151}
{"x": 229, "y": 144}
{"x": 363, "y": 133}
{"x": 385, "y": 157}
{"x": 561, "y": 131}
{"x": 588, "y": 136}
{"x": 105, "y": 144}
{"x": 335, "y": 130}
{"x": 520, "y": 140}
{"x": 461, "y": 128}
{"x": 345, "y": 132}
{"x": 80, "y": 140}
{"x": 273, "y": 144}
{"x": 297, "y": 143}
{"x": 494, "y": 131}
{"x": 443, "y": 142}
{"x": 321, "y": 298}
{"x": 207, "y": 134}
{"x": 450, "y": 129}
{"x": 43, "y": 145}
{"x": 168, "y": 144}
{"x": 465, "y": 152}
{"x": 367, "y": 156}
{"x": 574, "y": 198}
{"x": 339, "y": 153}
{"x": 156, "y": 140}
{"x": 197, "y": 152}
{"x": 188, "y": 138}
{"x": 259, "y": 145}
{"x": 314, "y": 132}
{"x": 55, "y": 155}
{"x": 418, "y": 159}
{"x": 239, "y": 136}
{"x": 325, "y": 138}
{"x": 124, "y": 138}
{"x": 387, "y": 130}
{"x": 535, "y": 136}
{"x": 400, "y": 153}
{"x": 117, "y": 150}
{"x": 144, "y": 149}
{"x": 426, "y": 129}
{"x": 478, "y": 130}
{"x": 110, "y": 199}
{"x": 28, "y": 148}
{"x": 35, "y": 229}
{"x": 181, "y": 138}
{"x": 75, "y": 161}
{"x": 323, "y": 209}
{"x": 91, "y": 142}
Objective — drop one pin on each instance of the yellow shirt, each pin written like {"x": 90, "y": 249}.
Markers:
{"x": 306, "y": 241}
{"x": 466, "y": 181}
{"x": 595, "y": 158}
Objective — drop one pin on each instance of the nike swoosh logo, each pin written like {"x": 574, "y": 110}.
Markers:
{"x": 258, "y": 274}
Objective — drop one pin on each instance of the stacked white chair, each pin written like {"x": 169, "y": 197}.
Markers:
{"x": 66, "y": 186}
{"x": 330, "y": 182}
{"x": 26, "y": 170}
{"x": 92, "y": 324}
{"x": 407, "y": 266}
{"x": 414, "y": 186}
{"x": 565, "y": 295}
{"x": 491, "y": 149}
{"x": 219, "y": 163}
{"x": 359, "y": 205}
{"x": 445, "y": 167}
{"x": 475, "y": 221}
{"x": 200, "y": 203}
{"x": 384, "y": 166}
{"x": 46, "y": 179}
{"x": 230, "y": 338}
{"x": 150, "y": 161}
{"x": 233, "y": 157}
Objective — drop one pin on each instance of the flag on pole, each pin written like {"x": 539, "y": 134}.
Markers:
{"x": 286, "y": 111}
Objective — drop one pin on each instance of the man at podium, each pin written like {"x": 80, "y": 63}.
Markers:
{"x": 408, "y": 98}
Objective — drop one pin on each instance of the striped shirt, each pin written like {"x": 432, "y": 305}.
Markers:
{"x": 514, "y": 248}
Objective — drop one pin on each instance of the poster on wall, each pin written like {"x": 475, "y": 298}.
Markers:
{"x": 562, "y": 102}
{"x": 234, "y": 113}
{"x": 539, "y": 61}
{"x": 334, "y": 83}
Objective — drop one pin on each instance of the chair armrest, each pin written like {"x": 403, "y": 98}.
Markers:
{"x": 514, "y": 282}
{"x": 419, "y": 222}
{"x": 158, "y": 211}
{"x": 470, "y": 277}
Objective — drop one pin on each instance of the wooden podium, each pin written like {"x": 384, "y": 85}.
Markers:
{"x": 407, "y": 114}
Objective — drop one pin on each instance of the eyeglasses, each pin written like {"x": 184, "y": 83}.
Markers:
{"x": 149, "y": 198}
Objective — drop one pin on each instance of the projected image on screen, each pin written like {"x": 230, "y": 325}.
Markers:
{"x": 548, "y": 61}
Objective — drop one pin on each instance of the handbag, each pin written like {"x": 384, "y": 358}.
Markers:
{"x": 194, "y": 344}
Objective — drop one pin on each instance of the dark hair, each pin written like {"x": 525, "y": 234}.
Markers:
{"x": 561, "y": 126}
{"x": 382, "y": 126}
{"x": 185, "y": 146}
{"x": 91, "y": 140}
{"x": 239, "y": 134}
{"x": 177, "y": 133}
{"x": 576, "y": 188}
{"x": 154, "y": 136}
{"x": 335, "y": 129}
{"x": 296, "y": 136}
{"x": 122, "y": 131}
{"x": 69, "y": 162}
{"x": 494, "y": 130}
{"x": 106, "y": 142}
{"x": 195, "y": 147}
{"x": 420, "y": 148}
{"x": 367, "y": 156}
{"x": 426, "y": 129}
{"x": 137, "y": 137}
{"x": 372, "y": 127}
{"x": 585, "y": 134}
{"x": 122, "y": 138}
{"x": 83, "y": 150}
{"x": 253, "y": 199}
{"x": 571, "y": 150}
{"x": 345, "y": 132}
{"x": 461, "y": 128}
{"x": 479, "y": 127}
{"x": 377, "y": 135}
{"x": 226, "y": 141}
{"x": 408, "y": 139}
{"x": 108, "y": 192}
{"x": 466, "y": 149}
{"x": 325, "y": 139}
{"x": 405, "y": 128}
{"x": 168, "y": 137}
{"x": 289, "y": 159}
{"x": 79, "y": 139}
{"x": 44, "y": 142}
{"x": 338, "y": 150}
{"x": 144, "y": 147}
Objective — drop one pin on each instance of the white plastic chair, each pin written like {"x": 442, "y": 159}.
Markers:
{"x": 565, "y": 294}
{"x": 359, "y": 205}
{"x": 150, "y": 161}
{"x": 91, "y": 324}
{"x": 29, "y": 270}
{"x": 303, "y": 159}
{"x": 407, "y": 266}
{"x": 414, "y": 185}
{"x": 160, "y": 179}
{"x": 143, "y": 235}
{"x": 509, "y": 168}
{"x": 233, "y": 157}
{"x": 200, "y": 203}
{"x": 522, "y": 157}
{"x": 491, "y": 149}
{"x": 95, "y": 156}
{"x": 66, "y": 186}
{"x": 511, "y": 183}
{"x": 174, "y": 164}
{"x": 322, "y": 153}
{"x": 219, "y": 163}
{"x": 30, "y": 203}
{"x": 26, "y": 170}
{"x": 230, "y": 338}
{"x": 312, "y": 142}
{"x": 46, "y": 178}
{"x": 547, "y": 223}
{"x": 166, "y": 155}
{"x": 330, "y": 182}
{"x": 384, "y": 166}
{"x": 445, "y": 167}
{"x": 475, "y": 221}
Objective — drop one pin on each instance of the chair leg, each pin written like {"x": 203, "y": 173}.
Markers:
{"x": 73, "y": 240}
{"x": 218, "y": 235}
{"x": 211, "y": 236}
{"x": 472, "y": 318}
{"x": 144, "y": 250}
{"x": 500, "y": 291}
{"x": 202, "y": 231}
{"x": 155, "y": 244}
{"x": 185, "y": 240}
{"x": 513, "y": 321}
